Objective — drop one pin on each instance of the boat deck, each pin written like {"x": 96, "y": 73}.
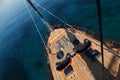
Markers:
{"x": 83, "y": 67}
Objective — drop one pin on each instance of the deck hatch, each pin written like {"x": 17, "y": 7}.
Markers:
{"x": 68, "y": 70}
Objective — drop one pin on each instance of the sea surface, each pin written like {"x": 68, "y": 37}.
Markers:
{"x": 21, "y": 48}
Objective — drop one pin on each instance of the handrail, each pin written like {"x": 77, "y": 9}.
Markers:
{"x": 95, "y": 33}
{"x": 91, "y": 33}
{"x": 107, "y": 41}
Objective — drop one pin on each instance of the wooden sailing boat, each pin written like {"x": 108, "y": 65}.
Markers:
{"x": 74, "y": 53}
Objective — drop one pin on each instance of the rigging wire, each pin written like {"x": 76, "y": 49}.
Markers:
{"x": 53, "y": 14}
{"x": 40, "y": 15}
{"x": 47, "y": 24}
{"x": 35, "y": 24}
{"x": 101, "y": 33}
{"x": 100, "y": 27}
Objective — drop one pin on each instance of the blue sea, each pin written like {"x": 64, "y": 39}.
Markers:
{"x": 21, "y": 49}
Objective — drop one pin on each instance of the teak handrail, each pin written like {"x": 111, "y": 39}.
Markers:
{"x": 107, "y": 41}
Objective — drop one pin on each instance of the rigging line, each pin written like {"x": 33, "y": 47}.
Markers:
{"x": 40, "y": 15}
{"x": 34, "y": 24}
{"x": 53, "y": 14}
{"x": 98, "y": 2}
{"x": 47, "y": 24}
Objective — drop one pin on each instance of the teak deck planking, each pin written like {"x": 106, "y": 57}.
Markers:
{"x": 83, "y": 68}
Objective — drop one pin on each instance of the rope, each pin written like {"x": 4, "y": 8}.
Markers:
{"x": 53, "y": 14}
{"x": 40, "y": 15}
{"x": 35, "y": 24}
{"x": 47, "y": 24}
{"x": 100, "y": 27}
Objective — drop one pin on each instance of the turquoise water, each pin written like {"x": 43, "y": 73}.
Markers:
{"x": 21, "y": 49}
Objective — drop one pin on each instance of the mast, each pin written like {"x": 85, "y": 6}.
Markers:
{"x": 36, "y": 10}
{"x": 40, "y": 15}
{"x": 99, "y": 11}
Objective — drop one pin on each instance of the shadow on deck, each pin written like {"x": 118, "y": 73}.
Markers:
{"x": 94, "y": 67}
{"x": 118, "y": 74}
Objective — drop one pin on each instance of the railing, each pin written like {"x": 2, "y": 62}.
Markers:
{"x": 112, "y": 44}
{"x": 47, "y": 66}
{"x": 108, "y": 42}
{"x": 94, "y": 34}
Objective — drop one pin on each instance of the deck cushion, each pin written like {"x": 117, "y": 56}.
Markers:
{"x": 84, "y": 46}
{"x": 93, "y": 54}
{"x": 64, "y": 63}
{"x": 68, "y": 70}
